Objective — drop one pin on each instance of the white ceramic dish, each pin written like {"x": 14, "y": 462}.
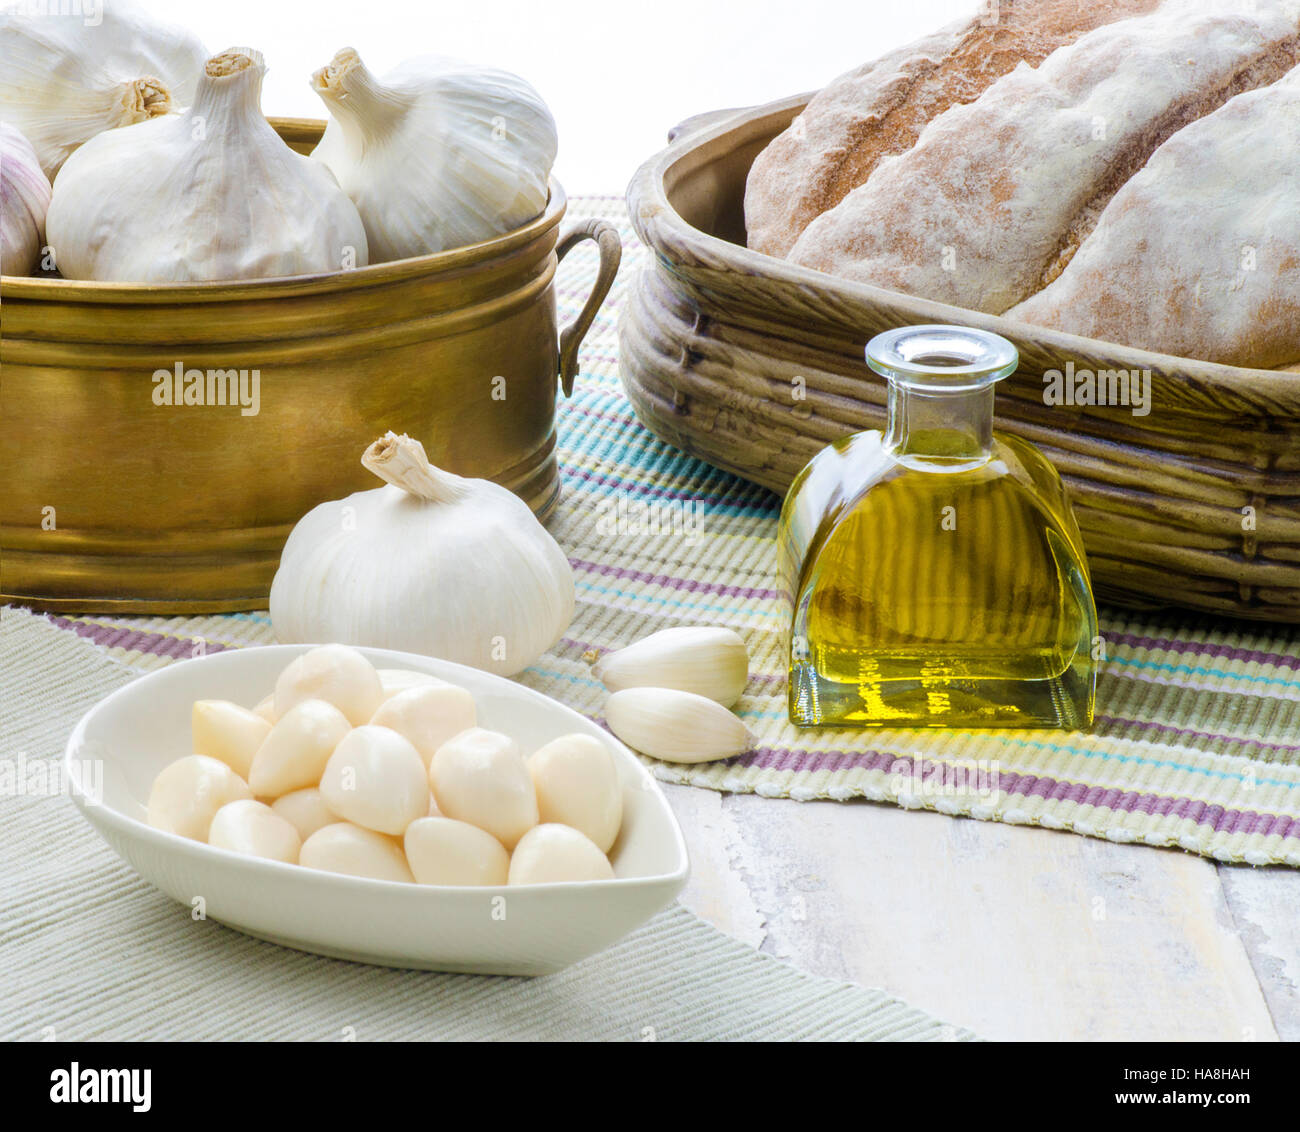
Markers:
{"x": 529, "y": 930}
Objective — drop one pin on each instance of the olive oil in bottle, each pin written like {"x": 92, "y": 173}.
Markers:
{"x": 935, "y": 571}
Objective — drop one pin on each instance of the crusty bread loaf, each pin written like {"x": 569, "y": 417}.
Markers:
{"x": 991, "y": 202}
{"x": 1199, "y": 254}
{"x": 879, "y": 109}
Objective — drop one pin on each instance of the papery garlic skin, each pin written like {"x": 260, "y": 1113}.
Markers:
{"x": 710, "y": 662}
{"x": 64, "y": 78}
{"x": 24, "y": 199}
{"x": 210, "y": 194}
{"x": 440, "y": 154}
{"x": 444, "y": 566}
{"x": 675, "y": 726}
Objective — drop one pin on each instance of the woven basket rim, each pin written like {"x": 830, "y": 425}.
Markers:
{"x": 660, "y": 226}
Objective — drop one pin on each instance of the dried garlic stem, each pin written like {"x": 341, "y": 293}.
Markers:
{"x": 401, "y": 461}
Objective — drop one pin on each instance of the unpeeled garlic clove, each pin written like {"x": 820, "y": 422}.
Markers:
{"x": 294, "y": 753}
{"x": 254, "y": 829}
{"x": 186, "y": 795}
{"x": 676, "y": 726}
{"x": 356, "y": 852}
{"x": 227, "y": 732}
{"x": 577, "y": 785}
{"x": 480, "y": 777}
{"x": 337, "y": 674}
{"x": 305, "y": 810}
{"x": 444, "y": 851}
{"x": 548, "y": 854}
{"x": 710, "y": 662}
{"x": 375, "y": 779}
{"x": 427, "y": 715}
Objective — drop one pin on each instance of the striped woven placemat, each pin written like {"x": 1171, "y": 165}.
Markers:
{"x": 1195, "y": 743}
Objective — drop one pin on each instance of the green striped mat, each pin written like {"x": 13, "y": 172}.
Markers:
{"x": 1195, "y": 744}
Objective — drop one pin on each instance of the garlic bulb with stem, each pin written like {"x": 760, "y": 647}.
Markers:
{"x": 433, "y": 563}
{"x": 67, "y": 75}
{"x": 438, "y": 155}
{"x": 210, "y": 194}
{"x": 24, "y": 199}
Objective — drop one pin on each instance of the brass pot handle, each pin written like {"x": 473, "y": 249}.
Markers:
{"x": 611, "y": 252}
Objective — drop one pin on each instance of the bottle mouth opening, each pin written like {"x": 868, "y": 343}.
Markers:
{"x": 942, "y": 359}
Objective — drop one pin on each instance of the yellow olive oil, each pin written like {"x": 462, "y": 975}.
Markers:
{"x": 936, "y": 575}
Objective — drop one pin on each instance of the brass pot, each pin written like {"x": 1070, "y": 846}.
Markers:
{"x": 114, "y": 499}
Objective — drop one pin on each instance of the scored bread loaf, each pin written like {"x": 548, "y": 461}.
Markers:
{"x": 880, "y": 108}
{"x": 1199, "y": 254}
{"x": 989, "y": 205}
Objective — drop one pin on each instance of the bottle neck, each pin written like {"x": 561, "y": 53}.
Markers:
{"x": 944, "y": 431}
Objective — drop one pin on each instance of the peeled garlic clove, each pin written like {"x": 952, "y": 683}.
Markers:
{"x": 427, "y": 716}
{"x": 577, "y": 785}
{"x": 355, "y": 852}
{"x": 394, "y": 680}
{"x": 227, "y": 732}
{"x": 480, "y": 777}
{"x": 187, "y": 795}
{"x": 254, "y": 829}
{"x": 443, "y": 851}
{"x": 336, "y": 674}
{"x": 679, "y": 727}
{"x": 266, "y": 708}
{"x": 551, "y": 853}
{"x": 707, "y": 661}
{"x": 294, "y": 754}
{"x": 305, "y": 810}
{"x": 375, "y": 778}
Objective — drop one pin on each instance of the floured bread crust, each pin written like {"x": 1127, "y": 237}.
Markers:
{"x": 880, "y": 108}
{"x": 995, "y": 196}
{"x": 1199, "y": 254}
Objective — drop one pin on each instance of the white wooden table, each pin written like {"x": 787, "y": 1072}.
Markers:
{"x": 1018, "y": 933}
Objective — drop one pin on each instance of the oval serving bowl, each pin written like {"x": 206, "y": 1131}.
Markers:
{"x": 754, "y": 364}
{"x": 113, "y": 502}
{"x": 525, "y": 930}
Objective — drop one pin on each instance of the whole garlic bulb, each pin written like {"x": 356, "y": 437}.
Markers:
{"x": 210, "y": 194}
{"x": 24, "y": 198}
{"x": 433, "y": 563}
{"x": 66, "y": 76}
{"x": 438, "y": 155}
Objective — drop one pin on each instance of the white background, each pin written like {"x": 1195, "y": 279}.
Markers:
{"x": 616, "y": 75}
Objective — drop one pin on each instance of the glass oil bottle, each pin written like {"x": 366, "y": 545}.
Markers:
{"x": 935, "y": 572}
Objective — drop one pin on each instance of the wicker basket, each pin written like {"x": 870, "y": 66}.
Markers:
{"x": 753, "y": 364}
